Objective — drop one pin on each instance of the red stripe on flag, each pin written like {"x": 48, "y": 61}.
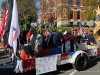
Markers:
{"x": 81, "y": 31}
{"x": 64, "y": 56}
{"x": 4, "y": 19}
{"x": 15, "y": 37}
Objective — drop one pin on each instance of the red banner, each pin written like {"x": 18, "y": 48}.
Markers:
{"x": 64, "y": 56}
{"x": 86, "y": 51}
{"x": 28, "y": 65}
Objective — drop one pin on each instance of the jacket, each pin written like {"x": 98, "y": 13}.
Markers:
{"x": 36, "y": 40}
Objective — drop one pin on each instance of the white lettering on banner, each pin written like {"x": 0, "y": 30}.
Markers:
{"x": 46, "y": 64}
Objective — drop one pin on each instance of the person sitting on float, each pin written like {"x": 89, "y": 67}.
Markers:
{"x": 68, "y": 39}
{"x": 36, "y": 41}
{"x": 26, "y": 52}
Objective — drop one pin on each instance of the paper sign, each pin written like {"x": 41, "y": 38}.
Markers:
{"x": 46, "y": 64}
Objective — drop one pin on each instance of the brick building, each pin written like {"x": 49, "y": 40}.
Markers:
{"x": 64, "y": 11}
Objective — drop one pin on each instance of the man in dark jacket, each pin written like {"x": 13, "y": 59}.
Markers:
{"x": 59, "y": 36}
{"x": 91, "y": 39}
{"x": 55, "y": 39}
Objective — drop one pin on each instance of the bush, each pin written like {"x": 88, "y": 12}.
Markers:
{"x": 85, "y": 25}
{"x": 68, "y": 27}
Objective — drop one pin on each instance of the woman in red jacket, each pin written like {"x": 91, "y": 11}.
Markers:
{"x": 26, "y": 53}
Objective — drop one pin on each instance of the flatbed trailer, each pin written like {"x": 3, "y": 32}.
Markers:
{"x": 79, "y": 60}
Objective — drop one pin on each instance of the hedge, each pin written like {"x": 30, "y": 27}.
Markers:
{"x": 66, "y": 28}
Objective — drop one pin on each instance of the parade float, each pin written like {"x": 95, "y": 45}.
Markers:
{"x": 47, "y": 63}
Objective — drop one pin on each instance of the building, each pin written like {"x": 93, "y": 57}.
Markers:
{"x": 62, "y": 11}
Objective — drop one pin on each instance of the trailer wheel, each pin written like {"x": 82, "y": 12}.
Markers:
{"x": 81, "y": 62}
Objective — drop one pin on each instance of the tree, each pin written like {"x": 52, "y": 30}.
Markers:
{"x": 2, "y": 6}
{"x": 90, "y": 9}
{"x": 49, "y": 8}
{"x": 27, "y": 11}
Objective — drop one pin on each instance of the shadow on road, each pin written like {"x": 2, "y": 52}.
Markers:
{"x": 92, "y": 64}
{"x": 60, "y": 69}
{"x": 3, "y": 57}
{"x": 2, "y": 53}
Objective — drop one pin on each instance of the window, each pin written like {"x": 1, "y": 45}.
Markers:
{"x": 71, "y": 23}
{"x": 71, "y": 2}
{"x": 78, "y": 14}
{"x": 77, "y": 23}
{"x": 78, "y": 2}
{"x": 71, "y": 14}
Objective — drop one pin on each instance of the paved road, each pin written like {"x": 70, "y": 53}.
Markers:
{"x": 93, "y": 68}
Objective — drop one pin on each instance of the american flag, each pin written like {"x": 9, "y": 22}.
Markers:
{"x": 81, "y": 30}
{"x": 7, "y": 7}
{"x": 3, "y": 23}
{"x": 4, "y": 19}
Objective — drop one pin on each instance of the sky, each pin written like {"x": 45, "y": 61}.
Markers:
{"x": 0, "y": 4}
{"x": 0, "y": 8}
{"x": 38, "y": 6}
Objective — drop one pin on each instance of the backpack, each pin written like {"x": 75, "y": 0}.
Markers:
{"x": 44, "y": 43}
{"x": 21, "y": 38}
{"x": 72, "y": 44}
{"x": 51, "y": 40}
